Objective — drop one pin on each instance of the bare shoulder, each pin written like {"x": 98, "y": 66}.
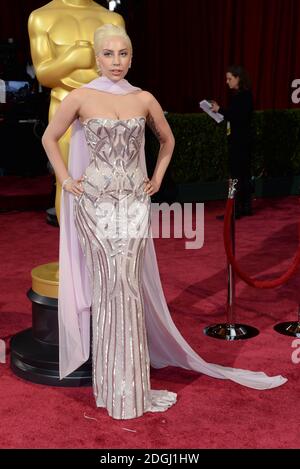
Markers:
{"x": 81, "y": 93}
{"x": 146, "y": 97}
{"x": 77, "y": 96}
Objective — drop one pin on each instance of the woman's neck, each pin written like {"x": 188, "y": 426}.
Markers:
{"x": 104, "y": 77}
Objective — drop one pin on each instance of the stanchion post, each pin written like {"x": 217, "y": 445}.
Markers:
{"x": 231, "y": 273}
{"x": 230, "y": 330}
{"x": 291, "y": 328}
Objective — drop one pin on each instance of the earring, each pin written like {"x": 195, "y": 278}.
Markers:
{"x": 98, "y": 69}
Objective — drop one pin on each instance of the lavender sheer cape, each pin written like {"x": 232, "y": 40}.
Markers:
{"x": 166, "y": 345}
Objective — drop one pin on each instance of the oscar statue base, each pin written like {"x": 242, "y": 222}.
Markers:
{"x": 231, "y": 331}
{"x": 37, "y": 362}
{"x": 291, "y": 328}
{"x": 34, "y": 351}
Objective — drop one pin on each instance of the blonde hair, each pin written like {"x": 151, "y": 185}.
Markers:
{"x": 108, "y": 30}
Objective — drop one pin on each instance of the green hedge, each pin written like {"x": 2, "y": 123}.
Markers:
{"x": 201, "y": 147}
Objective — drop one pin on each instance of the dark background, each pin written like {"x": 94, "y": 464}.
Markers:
{"x": 182, "y": 47}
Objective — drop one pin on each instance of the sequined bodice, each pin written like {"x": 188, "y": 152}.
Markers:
{"x": 114, "y": 154}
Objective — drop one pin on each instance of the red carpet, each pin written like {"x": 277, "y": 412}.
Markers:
{"x": 210, "y": 413}
{"x": 25, "y": 193}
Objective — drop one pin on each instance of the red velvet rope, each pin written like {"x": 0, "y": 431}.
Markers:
{"x": 231, "y": 259}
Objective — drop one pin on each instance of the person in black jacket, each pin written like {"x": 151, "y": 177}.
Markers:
{"x": 238, "y": 116}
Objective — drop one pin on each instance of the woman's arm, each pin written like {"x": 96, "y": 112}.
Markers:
{"x": 239, "y": 109}
{"x": 59, "y": 124}
{"x": 161, "y": 129}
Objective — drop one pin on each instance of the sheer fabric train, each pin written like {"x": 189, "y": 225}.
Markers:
{"x": 166, "y": 344}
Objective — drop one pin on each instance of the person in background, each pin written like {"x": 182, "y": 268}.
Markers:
{"x": 238, "y": 116}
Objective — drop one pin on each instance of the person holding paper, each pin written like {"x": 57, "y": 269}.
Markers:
{"x": 238, "y": 116}
{"x": 207, "y": 107}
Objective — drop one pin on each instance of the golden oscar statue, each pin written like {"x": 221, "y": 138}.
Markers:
{"x": 61, "y": 41}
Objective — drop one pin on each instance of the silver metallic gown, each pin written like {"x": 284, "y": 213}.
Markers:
{"x": 112, "y": 218}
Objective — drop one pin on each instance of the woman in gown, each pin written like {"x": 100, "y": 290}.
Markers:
{"x": 107, "y": 259}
